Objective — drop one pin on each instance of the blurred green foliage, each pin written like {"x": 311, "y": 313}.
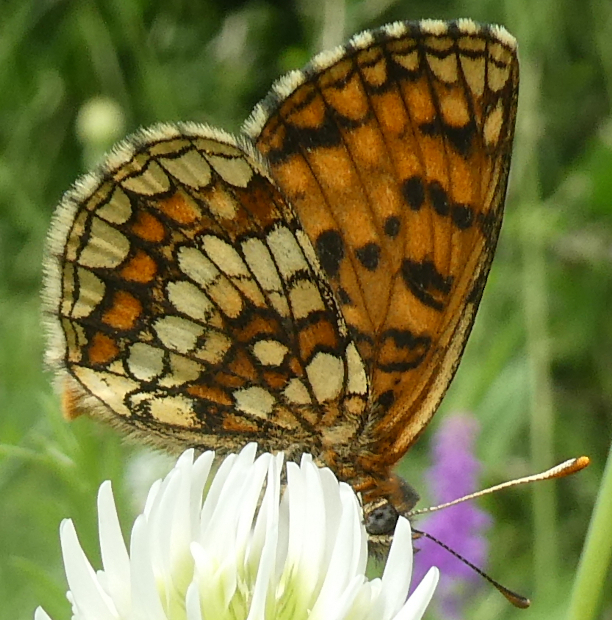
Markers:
{"x": 538, "y": 368}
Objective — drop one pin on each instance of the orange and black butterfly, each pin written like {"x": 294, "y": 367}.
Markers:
{"x": 309, "y": 284}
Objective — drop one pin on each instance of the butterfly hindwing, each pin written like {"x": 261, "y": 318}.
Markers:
{"x": 191, "y": 302}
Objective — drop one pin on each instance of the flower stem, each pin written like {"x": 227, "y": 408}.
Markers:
{"x": 596, "y": 554}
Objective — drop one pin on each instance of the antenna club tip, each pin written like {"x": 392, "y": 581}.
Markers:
{"x": 582, "y": 462}
{"x": 516, "y": 599}
{"x": 522, "y": 603}
{"x": 570, "y": 467}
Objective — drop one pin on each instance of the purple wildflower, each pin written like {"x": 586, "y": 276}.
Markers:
{"x": 454, "y": 474}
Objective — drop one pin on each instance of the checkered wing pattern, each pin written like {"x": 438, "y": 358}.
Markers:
{"x": 395, "y": 150}
{"x": 188, "y": 304}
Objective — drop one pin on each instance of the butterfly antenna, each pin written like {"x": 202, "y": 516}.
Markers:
{"x": 516, "y": 599}
{"x": 559, "y": 471}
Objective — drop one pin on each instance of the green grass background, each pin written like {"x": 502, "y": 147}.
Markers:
{"x": 538, "y": 369}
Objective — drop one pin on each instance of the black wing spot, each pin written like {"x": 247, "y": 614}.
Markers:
{"x": 462, "y": 216}
{"x": 460, "y": 137}
{"x": 392, "y": 226}
{"x": 330, "y": 250}
{"x": 439, "y": 198}
{"x": 426, "y": 283}
{"x": 413, "y": 191}
{"x": 401, "y": 350}
{"x": 369, "y": 255}
{"x": 303, "y": 139}
{"x": 344, "y": 297}
{"x": 386, "y": 399}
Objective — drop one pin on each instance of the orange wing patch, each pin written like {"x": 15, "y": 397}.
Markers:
{"x": 395, "y": 156}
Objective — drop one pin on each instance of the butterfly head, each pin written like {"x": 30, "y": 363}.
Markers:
{"x": 383, "y": 507}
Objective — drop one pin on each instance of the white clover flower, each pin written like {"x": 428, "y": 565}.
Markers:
{"x": 240, "y": 552}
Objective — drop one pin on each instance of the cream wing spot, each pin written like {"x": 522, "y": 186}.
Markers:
{"x": 190, "y": 169}
{"x": 285, "y": 249}
{"x": 497, "y": 76}
{"x": 226, "y": 297}
{"x": 270, "y": 352}
{"x": 175, "y": 410}
{"x": 222, "y": 204}
{"x": 148, "y": 183}
{"x": 71, "y": 341}
{"x": 106, "y": 247}
{"x": 197, "y": 266}
{"x": 75, "y": 340}
{"x": 255, "y": 401}
{"x": 493, "y": 125}
{"x": 145, "y": 361}
{"x": 233, "y": 170}
{"x": 472, "y": 44}
{"x": 441, "y": 44}
{"x": 357, "y": 378}
{"x": 214, "y": 348}
{"x": 259, "y": 260}
{"x": 261, "y": 264}
{"x": 177, "y": 333}
{"x": 305, "y": 299}
{"x": 167, "y": 146}
{"x": 68, "y": 282}
{"x": 117, "y": 210}
{"x": 117, "y": 367}
{"x": 217, "y": 144}
{"x": 91, "y": 292}
{"x": 250, "y": 290}
{"x": 296, "y": 393}
{"x": 326, "y": 376}
{"x": 182, "y": 370}
{"x": 225, "y": 257}
{"x": 190, "y": 300}
{"x": 455, "y": 110}
{"x": 445, "y": 69}
{"x": 474, "y": 71}
{"x": 408, "y": 61}
{"x": 279, "y": 302}
{"x": 108, "y": 387}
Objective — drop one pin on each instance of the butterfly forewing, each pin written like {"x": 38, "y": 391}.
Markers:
{"x": 395, "y": 154}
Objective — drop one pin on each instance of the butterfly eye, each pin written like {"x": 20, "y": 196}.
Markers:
{"x": 381, "y": 520}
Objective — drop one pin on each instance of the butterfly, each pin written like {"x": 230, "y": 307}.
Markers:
{"x": 309, "y": 284}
